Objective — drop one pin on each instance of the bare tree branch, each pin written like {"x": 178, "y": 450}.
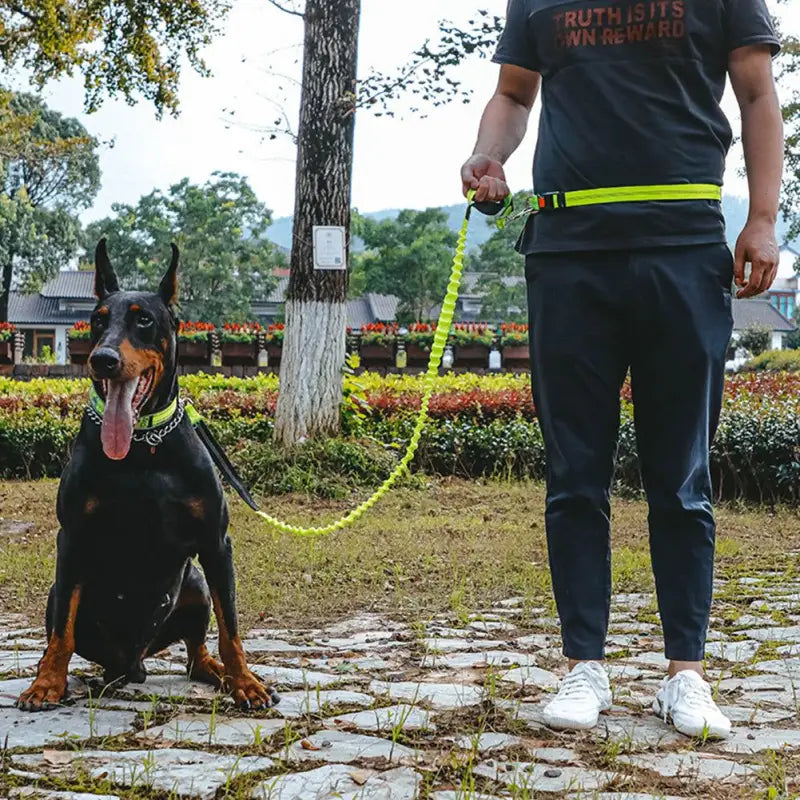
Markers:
{"x": 285, "y": 9}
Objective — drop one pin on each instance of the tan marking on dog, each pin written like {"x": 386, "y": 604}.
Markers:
{"x": 103, "y": 310}
{"x": 197, "y": 507}
{"x": 136, "y": 361}
{"x": 91, "y": 505}
{"x": 135, "y": 307}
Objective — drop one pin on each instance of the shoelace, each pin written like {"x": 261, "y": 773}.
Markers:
{"x": 576, "y": 683}
{"x": 696, "y": 692}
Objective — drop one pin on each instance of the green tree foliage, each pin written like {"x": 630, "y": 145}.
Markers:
{"x": 133, "y": 48}
{"x": 409, "y": 257}
{"x": 756, "y": 339}
{"x": 219, "y": 227}
{"x": 502, "y": 269}
{"x": 788, "y": 76}
{"x": 50, "y": 172}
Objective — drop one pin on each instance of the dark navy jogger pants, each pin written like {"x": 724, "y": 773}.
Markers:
{"x": 665, "y": 314}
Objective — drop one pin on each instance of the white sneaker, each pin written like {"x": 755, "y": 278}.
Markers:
{"x": 583, "y": 694}
{"x": 686, "y": 700}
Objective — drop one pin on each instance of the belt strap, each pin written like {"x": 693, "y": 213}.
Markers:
{"x": 626, "y": 194}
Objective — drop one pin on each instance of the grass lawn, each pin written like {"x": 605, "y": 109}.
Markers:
{"x": 454, "y": 546}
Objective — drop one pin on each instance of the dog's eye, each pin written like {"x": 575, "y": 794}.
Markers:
{"x": 144, "y": 321}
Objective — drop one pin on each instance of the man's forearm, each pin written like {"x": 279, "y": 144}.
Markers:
{"x": 502, "y": 128}
{"x": 762, "y": 137}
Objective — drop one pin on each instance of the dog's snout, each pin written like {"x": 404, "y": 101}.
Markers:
{"x": 105, "y": 362}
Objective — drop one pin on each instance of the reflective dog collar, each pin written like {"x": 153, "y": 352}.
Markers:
{"x": 155, "y": 420}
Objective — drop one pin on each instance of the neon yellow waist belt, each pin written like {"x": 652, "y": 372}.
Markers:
{"x": 626, "y": 194}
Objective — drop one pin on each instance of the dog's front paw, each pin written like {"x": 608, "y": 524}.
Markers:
{"x": 249, "y": 692}
{"x": 45, "y": 692}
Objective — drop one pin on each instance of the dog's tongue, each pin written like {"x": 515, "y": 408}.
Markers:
{"x": 117, "y": 430}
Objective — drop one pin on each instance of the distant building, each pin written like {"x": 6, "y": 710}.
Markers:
{"x": 46, "y": 317}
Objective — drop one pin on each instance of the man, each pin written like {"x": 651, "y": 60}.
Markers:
{"x": 637, "y": 279}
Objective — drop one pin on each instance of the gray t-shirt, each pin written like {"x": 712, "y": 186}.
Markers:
{"x": 630, "y": 96}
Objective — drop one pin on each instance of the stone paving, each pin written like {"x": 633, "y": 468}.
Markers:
{"x": 445, "y": 709}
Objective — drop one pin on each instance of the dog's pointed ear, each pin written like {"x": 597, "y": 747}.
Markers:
{"x": 105, "y": 279}
{"x": 169, "y": 283}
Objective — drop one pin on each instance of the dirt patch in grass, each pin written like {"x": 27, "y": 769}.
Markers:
{"x": 454, "y": 545}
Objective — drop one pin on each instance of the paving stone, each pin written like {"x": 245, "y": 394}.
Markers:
{"x": 529, "y": 713}
{"x": 511, "y": 602}
{"x": 532, "y": 676}
{"x": 623, "y": 796}
{"x": 787, "y": 634}
{"x": 541, "y": 778}
{"x": 491, "y": 626}
{"x": 623, "y": 672}
{"x": 735, "y": 652}
{"x": 690, "y": 765}
{"x": 744, "y": 741}
{"x": 756, "y": 716}
{"x": 637, "y": 733}
{"x": 485, "y": 742}
{"x": 19, "y": 661}
{"x": 47, "y": 794}
{"x": 790, "y": 667}
{"x": 651, "y": 659}
{"x": 11, "y": 689}
{"x": 438, "y": 695}
{"x": 756, "y": 684}
{"x": 450, "y": 645}
{"x": 752, "y": 621}
{"x": 538, "y": 641}
{"x": 364, "y": 622}
{"x": 465, "y": 795}
{"x": 290, "y": 676}
{"x": 65, "y": 723}
{"x": 373, "y": 640}
{"x": 268, "y": 645}
{"x": 219, "y": 730}
{"x": 341, "y": 782}
{"x": 167, "y": 686}
{"x": 343, "y": 747}
{"x": 300, "y": 704}
{"x": 407, "y": 717}
{"x": 341, "y": 665}
{"x": 493, "y": 658}
{"x": 187, "y": 773}
{"x": 15, "y": 527}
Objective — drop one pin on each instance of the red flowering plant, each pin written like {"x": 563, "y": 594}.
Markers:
{"x": 7, "y": 331}
{"x": 244, "y": 332}
{"x": 422, "y": 334}
{"x": 467, "y": 334}
{"x": 379, "y": 333}
{"x": 275, "y": 334}
{"x": 194, "y": 331}
{"x": 513, "y": 334}
{"x": 80, "y": 330}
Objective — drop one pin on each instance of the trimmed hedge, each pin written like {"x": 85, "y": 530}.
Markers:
{"x": 482, "y": 427}
{"x": 775, "y": 361}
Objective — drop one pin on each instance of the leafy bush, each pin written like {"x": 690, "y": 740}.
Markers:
{"x": 775, "y": 361}
{"x": 422, "y": 335}
{"x": 513, "y": 334}
{"x": 481, "y": 426}
{"x": 755, "y": 339}
{"x": 275, "y": 334}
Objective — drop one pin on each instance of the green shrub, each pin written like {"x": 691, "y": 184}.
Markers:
{"x": 774, "y": 361}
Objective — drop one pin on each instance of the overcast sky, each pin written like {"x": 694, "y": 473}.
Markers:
{"x": 408, "y": 163}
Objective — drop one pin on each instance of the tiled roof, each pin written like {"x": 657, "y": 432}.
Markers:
{"x": 33, "y": 309}
{"x": 71, "y": 284}
{"x": 749, "y": 313}
{"x": 359, "y": 313}
{"x": 383, "y": 306}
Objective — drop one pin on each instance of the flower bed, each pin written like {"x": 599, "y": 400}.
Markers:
{"x": 194, "y": 342}
{"x": 239, "y": 343}
{"x": 472, "y": 341}
{"x": 79, "y": 342}
{"x": 481, "y": 426}
{"x": 274, "y": 342}
{"x": 377, "y": 343}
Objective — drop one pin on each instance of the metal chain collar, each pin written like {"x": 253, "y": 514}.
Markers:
{"x": 152, "y": 436}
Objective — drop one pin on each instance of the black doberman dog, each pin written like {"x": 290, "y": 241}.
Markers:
{"x": 138, "y": 501}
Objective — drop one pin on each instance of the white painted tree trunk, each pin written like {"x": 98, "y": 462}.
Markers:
{"x": 310, "y": 398}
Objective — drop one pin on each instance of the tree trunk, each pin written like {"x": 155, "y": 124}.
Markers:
{"x": 5, "y": 289}
{"x": 309, "y": 402}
